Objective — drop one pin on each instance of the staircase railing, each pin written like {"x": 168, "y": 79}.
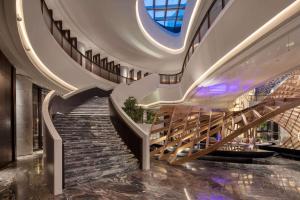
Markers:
{"x": 211, "y": 14}
{"x": 53, "y": 149}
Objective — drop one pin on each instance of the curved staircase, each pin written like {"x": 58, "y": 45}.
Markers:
{"x": 92, "y": 146}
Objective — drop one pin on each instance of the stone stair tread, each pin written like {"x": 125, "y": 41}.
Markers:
{"x": 93, "y": 148}
{"x": 81, "y": 151}
{"x": 95, "y": 176}
{"x": 104, "y": 160}
{"x": 79, "y": 170}
{"x": 93, "y": 144}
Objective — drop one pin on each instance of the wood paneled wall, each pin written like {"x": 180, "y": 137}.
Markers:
{"x": 7, "y": 111}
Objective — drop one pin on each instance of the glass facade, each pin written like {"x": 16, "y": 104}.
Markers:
{"x": 167, "y": 13}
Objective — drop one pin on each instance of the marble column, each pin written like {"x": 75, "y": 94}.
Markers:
{"x": 24, "y": 115}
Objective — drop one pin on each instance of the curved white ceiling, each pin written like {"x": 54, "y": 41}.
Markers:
{"x": 159, "y": 37}
{"x": 112, "y": 28}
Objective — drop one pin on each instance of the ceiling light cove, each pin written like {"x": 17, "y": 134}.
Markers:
{"x": 266, "y": 28}
{"x": 171, "y": 25}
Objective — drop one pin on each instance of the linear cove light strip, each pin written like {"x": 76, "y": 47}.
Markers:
{"x": 158, "y": 44}
{"x": 32, "y": 54}
{"x": 281, "y": 17}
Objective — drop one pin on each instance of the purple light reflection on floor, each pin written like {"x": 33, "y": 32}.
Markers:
{"x": 220, "y": 180}
{"x": 206, "y": 196}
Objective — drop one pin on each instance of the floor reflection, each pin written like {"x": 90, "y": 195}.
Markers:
{"x": 272, "y": 178}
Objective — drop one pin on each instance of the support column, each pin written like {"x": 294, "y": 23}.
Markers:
{"x": 24, "y": 116}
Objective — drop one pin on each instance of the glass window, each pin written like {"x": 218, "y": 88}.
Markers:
{"x": 171, "y": 13}
{"x": 159, "y": 14}
{"x": 215, "y": 10}
{"x": 180, "y": 12}
{"x": 183, "y": 2}
{"x": 160, "y": 2}
{"x": 151, "y": 13}
{"x": 170, "y": 23}
{"x": 148, "y": 3}
{"x": 204, "y": 28}
{"x": 167, "y": 13}
{"x": 178, "y": 23}
{"x": 173, "y": 2}
{"x": 161, "y": 23}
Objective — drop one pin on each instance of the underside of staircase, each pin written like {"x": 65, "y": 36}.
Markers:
{"x": 92, "y": 146}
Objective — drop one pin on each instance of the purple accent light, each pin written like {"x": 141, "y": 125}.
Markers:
{"x": 221, "y": 89}
{"x": 219, "y": 137}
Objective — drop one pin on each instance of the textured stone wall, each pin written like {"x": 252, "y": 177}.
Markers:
{"x": 24, "y": 124}
{"x": 6, "y": 111}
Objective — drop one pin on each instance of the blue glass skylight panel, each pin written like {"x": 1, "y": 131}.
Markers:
{"x": 149, "y": 3}
{"x": 180, "y": 12}
{"x": 167, "y": 13}
{"x": 160, "y": 3}
{"x": 183, "y": 2}
{"x": 173, "y": 2}
{"x": 178, "y": 23}
{"x": 170, "y": 23}
{"x": 171, "y": 13}
{"x": 161, "y": 23}
{"x": 151, "y": 13}
{"x": 159, "y": 13}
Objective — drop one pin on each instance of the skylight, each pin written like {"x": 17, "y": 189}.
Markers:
{"x": 167, "y": 13}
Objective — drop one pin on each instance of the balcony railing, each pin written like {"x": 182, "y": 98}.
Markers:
{"x": 212, "y": 13}
{"x": 92, "y": 63}
{"x": 110, "y": 71}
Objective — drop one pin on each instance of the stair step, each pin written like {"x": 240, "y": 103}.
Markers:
{"x": 101, "y": 161}
{"x": 93, "y": 148}
{"x": 85, "y": 155}
{"x": 73, "y": 181}
{"x": 84, "y": 171}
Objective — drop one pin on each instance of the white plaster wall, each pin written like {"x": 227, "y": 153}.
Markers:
{"x": 237, "y": 22}
{"x": 52, "y": 55}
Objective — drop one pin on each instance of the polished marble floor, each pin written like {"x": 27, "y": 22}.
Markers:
{"x": 273, "y": 178}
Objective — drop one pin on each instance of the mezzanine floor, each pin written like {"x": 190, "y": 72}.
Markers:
{"x": 272, "y": 178}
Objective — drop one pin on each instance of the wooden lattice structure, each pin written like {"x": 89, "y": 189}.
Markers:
{"x": 289, "y": 120}
{"x": 183, "y": 133}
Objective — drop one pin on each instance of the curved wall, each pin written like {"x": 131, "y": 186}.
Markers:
{"x": 52, "y": 55}
{"x": 160, "y": 37}
{"x": 227, "y": 32}
{"x": 11, "y": 46}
